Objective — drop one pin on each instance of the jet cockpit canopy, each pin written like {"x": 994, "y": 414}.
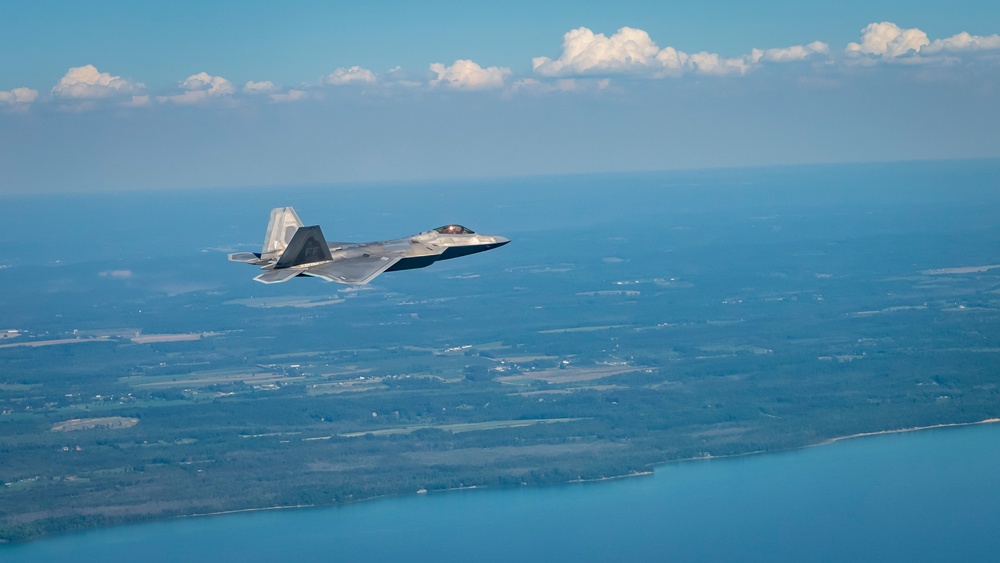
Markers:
{"x": 454, "y": 230}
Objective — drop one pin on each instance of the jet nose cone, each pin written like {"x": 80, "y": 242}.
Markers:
{"x": 500, "y": 241}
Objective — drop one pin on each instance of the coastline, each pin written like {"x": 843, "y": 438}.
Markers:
{"x": 571, "y": 481}
{"x": 669, "y": 515}
{"x": 401, "y": 495}
{"x": 902, "y": 430}
{"x": 817, "y": 444}
{"x": 612, "y": 477}
{"x": 241, "y": 510}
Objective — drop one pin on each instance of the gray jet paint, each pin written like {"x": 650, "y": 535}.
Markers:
{"x": 291, "y": 250}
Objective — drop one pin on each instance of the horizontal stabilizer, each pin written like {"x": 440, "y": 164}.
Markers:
{"x": 248, "y": 257}
{"x": 277, "y": 276}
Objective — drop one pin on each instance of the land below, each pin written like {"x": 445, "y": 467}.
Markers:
{"x": 759, "y": 320}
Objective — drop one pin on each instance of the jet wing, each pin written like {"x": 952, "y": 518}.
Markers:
{"x": 358, "y": 270}
{"x": 277, "y": 276}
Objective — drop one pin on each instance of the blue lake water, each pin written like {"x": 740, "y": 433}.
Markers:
{"x": 920, "y": 496}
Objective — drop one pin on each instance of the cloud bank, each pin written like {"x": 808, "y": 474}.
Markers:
{"x": 631, "y": 51}
{"x": 588, "y": 61}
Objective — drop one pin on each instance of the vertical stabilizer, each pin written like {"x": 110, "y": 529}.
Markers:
{"x": 280, "y": 230}
{"x": 307, "y": 247}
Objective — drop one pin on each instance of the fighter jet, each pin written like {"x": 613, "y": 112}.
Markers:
{"x": 291, "y": 250}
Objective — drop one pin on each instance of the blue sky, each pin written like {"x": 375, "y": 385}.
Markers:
{"x": 139, "y": 95}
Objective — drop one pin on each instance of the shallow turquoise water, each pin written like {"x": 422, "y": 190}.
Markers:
{"x": 921, "y": 496}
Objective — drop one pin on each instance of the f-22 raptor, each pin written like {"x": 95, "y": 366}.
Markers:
{"x": 291, "y": 250}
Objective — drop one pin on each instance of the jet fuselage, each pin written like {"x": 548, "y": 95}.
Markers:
{"x": 291, "y": 250}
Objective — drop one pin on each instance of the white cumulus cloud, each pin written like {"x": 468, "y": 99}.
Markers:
{"x": 198, "y": 88}
{"x": 586, "y": 52}
{"x": 86, "y": 82}
{"x": 213, "y": 85}
{"x": 888, "y": 40}
{"x": 712, "y": 63}
{"x": 467, "y": 75}
{"x": 788, "y": 54}
{"x": 18, "y": 96}
{"x": 963, "y": 42}
{"x": 262, "y": 87}
{"x": 352, "y": 75}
